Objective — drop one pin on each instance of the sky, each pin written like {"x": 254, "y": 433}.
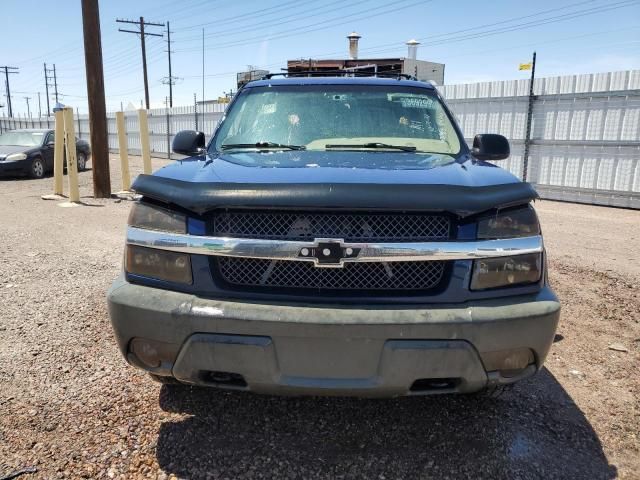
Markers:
{"x": 478, "y": 41}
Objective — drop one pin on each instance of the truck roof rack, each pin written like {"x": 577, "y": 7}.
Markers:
{"x": 339, "y": 73}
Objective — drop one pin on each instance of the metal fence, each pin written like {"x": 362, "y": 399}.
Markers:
{"x": 164, "y": 123}
{"x": 585, "y": 135}
{"x": 585, "y": 141}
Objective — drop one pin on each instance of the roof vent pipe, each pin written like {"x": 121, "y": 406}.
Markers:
{"x": 412, "y": 49}
{"x": 353, "y": 45}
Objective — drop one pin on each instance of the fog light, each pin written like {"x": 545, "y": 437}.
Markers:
{"x": 152, "y": 353}
{"x": 508, "y": 362}
{"x": 506, "y": 271}
{"x": 160, "y": 264}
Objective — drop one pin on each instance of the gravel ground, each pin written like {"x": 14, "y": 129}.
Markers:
{"x": 71, "y": 407}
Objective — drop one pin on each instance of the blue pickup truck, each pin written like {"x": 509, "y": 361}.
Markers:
{"x": 335, "y": 236}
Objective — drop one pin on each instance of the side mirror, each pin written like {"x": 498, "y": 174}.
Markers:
{"x": 490, "y": 146}
{"x": 188, "y": 142}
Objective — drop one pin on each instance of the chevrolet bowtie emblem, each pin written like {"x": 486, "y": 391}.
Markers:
{"x": 329, "y": 252}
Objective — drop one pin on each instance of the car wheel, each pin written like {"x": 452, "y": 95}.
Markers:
{"x": 37, "y": 168}
{"x": 82, "y": 162}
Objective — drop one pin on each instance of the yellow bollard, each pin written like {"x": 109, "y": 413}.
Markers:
{"x": 58, "y": 154}
{"x": 58, "y": 158}
{"x": 72, "y": 160}
{"x": 144, "y": 141}
{"x": 124, "y": 152}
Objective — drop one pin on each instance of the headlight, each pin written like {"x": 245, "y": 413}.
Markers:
{"x": 506, "y": 271}
{"x": 160, "y": 264}
{"x": 514, "y": 223}
{"x": 151, "y": 217}
{"x": 16, "y": 156}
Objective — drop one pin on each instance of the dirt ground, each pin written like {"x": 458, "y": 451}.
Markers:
{"x": 72, "y": 408}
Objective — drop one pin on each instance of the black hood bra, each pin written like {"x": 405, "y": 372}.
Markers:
{"x": 200, "y": 197}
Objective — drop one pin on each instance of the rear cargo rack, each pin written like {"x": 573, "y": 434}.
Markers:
{"x": 339, "y": 73}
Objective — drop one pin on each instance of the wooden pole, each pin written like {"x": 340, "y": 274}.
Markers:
{"x": 527, "y": 138}
{"x": 72, "y": 159}
{"x": 58, "y": 153}
{"x": 95, "y": 92}
{"x": 124, "y": 152}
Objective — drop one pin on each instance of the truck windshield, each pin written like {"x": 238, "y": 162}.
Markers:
{"x": 337, "y": 118}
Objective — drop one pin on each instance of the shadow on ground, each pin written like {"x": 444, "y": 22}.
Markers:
{"x": 533, "y": 431}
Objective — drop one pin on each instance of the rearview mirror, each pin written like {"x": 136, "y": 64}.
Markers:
{"x": 490, "y": 146}
{"x": 188, "y": 142}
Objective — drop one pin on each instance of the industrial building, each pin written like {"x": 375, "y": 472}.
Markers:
{"x": 421, "y": 69}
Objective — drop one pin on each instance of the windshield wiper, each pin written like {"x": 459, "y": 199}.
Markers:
{"x": 229, "y": 146}
{"x": 404, "y": 148}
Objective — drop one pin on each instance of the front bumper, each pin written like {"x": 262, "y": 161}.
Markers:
{"x": 15, "y": 167}
{"x": 332, "y": 350}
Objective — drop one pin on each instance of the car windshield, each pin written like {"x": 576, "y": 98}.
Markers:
{"x": 336, "y": 118}
{"x": 22, "y": 139}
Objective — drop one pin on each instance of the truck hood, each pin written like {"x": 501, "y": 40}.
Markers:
{"x": 371, "y": 180}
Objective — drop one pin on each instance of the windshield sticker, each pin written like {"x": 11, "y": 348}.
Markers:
{"x": 268, "y": 108}
{"x": 413, "y": 102}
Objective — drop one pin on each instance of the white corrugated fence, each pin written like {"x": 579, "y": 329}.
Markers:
{"x": 585, "y": 140}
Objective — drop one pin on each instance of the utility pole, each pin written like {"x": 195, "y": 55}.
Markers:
{"x": 7, "y": 71}
{"x": 51, "y": 80}
{"x": 203, "y": 65}
{"x": 46, "y": 89}
{"x": 527, "y": 138}
{"x": 39, "y": 107}
{"x": 95, "y": 92}
{"x": 170, "y": 80}
{"x": 195, "y": 110}
{"x": 170, "y": 76}
{"x": 141, "y": 23}
{"x": 28, "y": 109}
{"x": 55, "y": 82}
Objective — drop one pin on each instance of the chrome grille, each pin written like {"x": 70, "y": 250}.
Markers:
{"x": 402, "y": 276}
{"x": 351, "y": 227}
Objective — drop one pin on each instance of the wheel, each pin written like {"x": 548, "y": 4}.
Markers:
{"x": 164, "y": 380}
{"x": 82, "y": 162}
{"x": 37, "y": 168}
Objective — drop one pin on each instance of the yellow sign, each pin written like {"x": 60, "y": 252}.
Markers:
{"x": 525, "y": 66}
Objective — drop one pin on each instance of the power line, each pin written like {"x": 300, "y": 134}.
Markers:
{"x": 141, "y": 23}
{"x": 525, "y": 25}
{"x": 397, "y": 6}
{"x": 567, "y": 16}
{"x": 293, "y": 17}
{"x": 506, "y": 29}
{"x": 243, "y": 18}
{"x": 7, "y": 71}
